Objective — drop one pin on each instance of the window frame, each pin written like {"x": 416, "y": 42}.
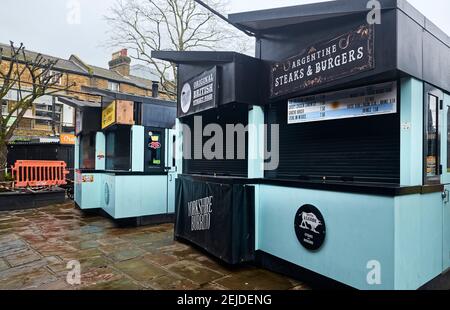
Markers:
{"x": 431, "y": 91}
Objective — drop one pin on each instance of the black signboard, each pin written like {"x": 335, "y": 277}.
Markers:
{"x": 199, "y": 94}
{"x": 310, "y": 227}
{"x": 326, "y": 61}
{"x": 217, "y": 217}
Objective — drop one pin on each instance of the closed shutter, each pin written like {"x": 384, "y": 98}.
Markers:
{"x": 229, "y": 114}
{"x": 364, "y": 149}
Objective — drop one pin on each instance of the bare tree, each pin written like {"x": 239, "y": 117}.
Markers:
{"x": 170, "y": 25}
{"x": 31, "y": 78}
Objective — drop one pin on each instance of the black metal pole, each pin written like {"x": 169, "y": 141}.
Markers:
{"x": 247, "y": 32}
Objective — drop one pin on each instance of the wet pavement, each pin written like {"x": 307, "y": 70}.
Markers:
{"x": 37, "y": 245}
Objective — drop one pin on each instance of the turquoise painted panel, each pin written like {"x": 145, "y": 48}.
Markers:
{"x": 133, "y": 196}
{"x": 256, "y": 143}
{"x": 360, "y": 229}
{"x": 90, "y": 191}
{"x": 172, "y": 173}
{"x": 100, "y": 151}
{"x": 446, "y": 207}
{"x": 137, "y": 148}
{"x": 107, "y": 191}
{"x": 446, "y": 233}
{"x": 411, "y": 118}
{"x": 418, "y": 239}
{"x": 77, "y": 176}
{"x": 77, "y": 154}
{"x": 179, "y": 146}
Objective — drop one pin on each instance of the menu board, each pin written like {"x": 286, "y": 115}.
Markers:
{"x": 357, "y": 102}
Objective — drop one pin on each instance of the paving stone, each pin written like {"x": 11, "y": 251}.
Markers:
{"x": 256, "y": 279}
{"x": 27, "y": 280}
{"x": 161, "y": 259}
{"x": 140, "y": 269}
{"x": 3, "y": 265}
{"x": 111, "y": 241}
{"x": 22, "y": 258}
{"x": 126, "y": 254}
{"x": 36, "y": 245}
{"x": 98, "y": 275}
{"x": 23, "y": 269}
{"x": 194, "y": 272}
{"x": 117, "y": 284}
{"x": 12, "y": 247}
{"x": 170, "y": 282}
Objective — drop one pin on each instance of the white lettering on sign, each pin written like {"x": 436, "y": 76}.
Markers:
{"x": 200, "y": 211}
{"x": 203, "y": 90}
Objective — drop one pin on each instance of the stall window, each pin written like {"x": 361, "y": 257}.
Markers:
{"x": 118, "y": 149}
{"x": 87, "y": 151}
{"x": 432, "y": 164}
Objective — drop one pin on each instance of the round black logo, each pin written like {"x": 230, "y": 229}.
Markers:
{"x": 310, "y": 227}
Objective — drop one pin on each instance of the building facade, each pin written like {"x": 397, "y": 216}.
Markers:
{"x": 49, "y": 117}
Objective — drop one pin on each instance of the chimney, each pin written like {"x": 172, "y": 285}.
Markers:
{"x": 155, "y": 89}
{"x": 120, "y": 62}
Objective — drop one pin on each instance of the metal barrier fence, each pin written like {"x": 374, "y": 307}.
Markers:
{"x": 36, "y": 173}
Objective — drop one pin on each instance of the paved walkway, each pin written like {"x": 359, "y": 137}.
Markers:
{"x": 36, "y": 245}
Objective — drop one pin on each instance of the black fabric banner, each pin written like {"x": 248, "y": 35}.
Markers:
{"x": 216, "y": 217}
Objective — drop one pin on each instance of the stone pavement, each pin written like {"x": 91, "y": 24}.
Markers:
{"x": 36, "y": 245}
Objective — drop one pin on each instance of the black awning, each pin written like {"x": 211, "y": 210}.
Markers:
{"x": 261, "y": 20}
{"x": 109, "y": 96}
{"x": 193, "y": 57}
{"x": 75, "y": 103}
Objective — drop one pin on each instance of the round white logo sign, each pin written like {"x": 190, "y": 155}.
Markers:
{"x": 186, "y": 98}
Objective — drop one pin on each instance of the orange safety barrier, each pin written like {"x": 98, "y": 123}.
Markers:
{"x": 36, "y": 173}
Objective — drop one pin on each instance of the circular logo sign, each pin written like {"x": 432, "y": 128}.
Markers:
{"x": 310, "y": 227}
{"x": 186, "y": 97}
{"x": 107, "y": 194}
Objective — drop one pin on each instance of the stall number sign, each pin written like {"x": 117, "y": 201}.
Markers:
{"x": 364, "y": 101}
{"x": 348, "y": 54}
{"x": 109, "y": 115}
{"x": 199, "y": 93}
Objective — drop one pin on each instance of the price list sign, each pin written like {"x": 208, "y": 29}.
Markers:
{"x": 358, "y": 102}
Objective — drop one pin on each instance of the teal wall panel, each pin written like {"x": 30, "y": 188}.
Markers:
{"x": 100, "y": 151}
{"x": 134, "y": 196}
{"x": 137, "y": 148}
{"x": 90, "y": 196}
{"x": 256, "y": 143}
{"x": 179, "y": 146}
{"x": 411, "y": 119}
{"x": 360, "y": 229}
{"x": 446, "y": 233}
{"x": 418, "y": 239}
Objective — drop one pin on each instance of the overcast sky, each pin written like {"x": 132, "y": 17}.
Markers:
{"x": 42, "y": 25}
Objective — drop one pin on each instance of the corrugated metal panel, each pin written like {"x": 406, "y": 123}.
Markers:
{"x": 230, "y": 114}
{"x": 360, "y": 149}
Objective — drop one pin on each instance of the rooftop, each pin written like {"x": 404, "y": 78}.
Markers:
{"x": 75, "y": 65}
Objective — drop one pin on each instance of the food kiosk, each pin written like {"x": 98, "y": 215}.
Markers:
{"x": 350, "y": 177}
{"x": 124, "y": 157}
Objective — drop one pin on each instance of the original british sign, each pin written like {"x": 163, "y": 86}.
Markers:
{"x": 326, "y": 61}
{"x": 199, "y": 94}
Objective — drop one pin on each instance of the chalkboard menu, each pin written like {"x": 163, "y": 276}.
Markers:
{"x": 357, "y": 102}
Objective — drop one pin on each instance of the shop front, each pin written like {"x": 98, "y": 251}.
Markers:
{"x": 124, "y": 158}
{"x": 344, "y": 169}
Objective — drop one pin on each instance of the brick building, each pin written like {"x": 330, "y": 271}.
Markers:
{"x": 49, "y": 117}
